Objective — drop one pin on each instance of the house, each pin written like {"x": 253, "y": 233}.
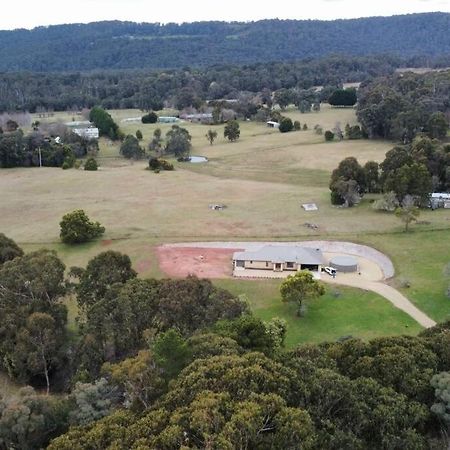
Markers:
{"x": 440, "y": 200}
{"x": 84, "y": 128}
{"x": 280, "y": 258}
{"x": 88, "y": 133}
{"x": 198, "y": 118}
{"x": 272, "y": 124}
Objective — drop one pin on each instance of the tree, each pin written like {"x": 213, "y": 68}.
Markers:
{"x": 93, "y": 401}
{"x": 300, "y": 287}
{"x": 29, "y": 420}
{"x": 171, "y": 353}
{"x": 211, "y": 136}
{"x": 131, "y": 149}
{"x": 178, "y": 142}
{"x": 343, "y": 97}
{"x": 138, "y": 379}
{"x": 329, "y": 135}
{"x": 297, "y": 125}
{"x": 101, "y": 273}
{"x": 441, "y": 384}
{"x": 232, "y": 130}
{"x": 91, "y": 164}
{"x": 105, "y": 123}
{"x": 286, "y": 125}
{"x": 155, "y": 144}
{"x": 283, "y": 97}
{"x": 437, "y": 126}
{"x": 41, "y": 342}
{"x": 139, "y": 135}
{"x": 8, "y": 249}
{"x": 347, "y": 182}
{"x": 372, "y": 176}
{"x": 31, "y": 287}
{"x": 388, "y": 202}
{"x": 407, "y": 214}
{"x": 151, "y": 117}
{"x": 76, "y": 228}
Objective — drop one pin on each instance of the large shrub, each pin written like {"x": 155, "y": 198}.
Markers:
{"x": 76, "y": 227}
{"x": 286, "y": 125}
{"x": 91, "y": 164}
{"x": 151, "y": 117}
{"x": 8, "y": 249}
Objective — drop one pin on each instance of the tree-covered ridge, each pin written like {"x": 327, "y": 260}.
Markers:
{"x": 148, "y": 89}
{"x": 401, "y": 106}
{"x": 124, "y": 45}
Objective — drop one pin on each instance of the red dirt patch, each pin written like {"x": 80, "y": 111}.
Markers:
{"x": 202, "y": 262}
{"x": 105, "y": 242}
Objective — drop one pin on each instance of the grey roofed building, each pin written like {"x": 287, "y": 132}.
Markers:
{"x": 280, "y": 258}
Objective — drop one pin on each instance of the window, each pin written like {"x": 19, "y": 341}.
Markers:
{"x": 290, "y": 265}
{"x": 267, "y": 264}
{"x": 240, "y": 263}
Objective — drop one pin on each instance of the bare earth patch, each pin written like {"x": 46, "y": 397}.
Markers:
{"x": 202, "y": 262}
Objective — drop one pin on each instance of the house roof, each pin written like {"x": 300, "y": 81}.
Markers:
{"x": 281, "y": 254}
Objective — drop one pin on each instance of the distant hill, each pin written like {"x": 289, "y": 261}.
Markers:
{"x": 127, "y": 45}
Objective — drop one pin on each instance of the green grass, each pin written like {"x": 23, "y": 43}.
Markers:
{"x": 355, "y": 312}
{"x": 263, "y": 179}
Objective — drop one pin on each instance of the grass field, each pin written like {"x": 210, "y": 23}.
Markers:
{"x": 354, "y": 313}
{"x": 263, "y": 179}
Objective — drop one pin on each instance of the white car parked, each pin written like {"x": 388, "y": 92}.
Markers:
{"x": 330, "y": 271}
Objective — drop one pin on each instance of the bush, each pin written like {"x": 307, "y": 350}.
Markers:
{"x": 286, "y": 125}
{"x": 336, "y": 199}
{"x": 318, "y": 129}
{"x": 8, "y": 249}
{"x": 77, "y": 164}
{"x": 297, "y": 126}
{"x": 153, "y": 163}
{"x": 151, "y": 117}
{"x": 157, "y": 164}
{"x": 76, "y": 228}
{"x": 166, "y": 165}
{"x": 329, "y": 135}
{"x": 65, "y": 165}
{"x": 305, "y": 127}
{"x": 90, "y": 164}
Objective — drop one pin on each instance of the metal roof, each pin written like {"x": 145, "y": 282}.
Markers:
{"x": 281, "y": 254}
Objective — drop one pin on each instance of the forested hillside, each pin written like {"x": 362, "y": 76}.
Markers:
{"x": 124, "y": 45}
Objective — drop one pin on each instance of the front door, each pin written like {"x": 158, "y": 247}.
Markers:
{"x": 278, "y": 267}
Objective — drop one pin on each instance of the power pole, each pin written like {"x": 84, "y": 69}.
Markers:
{"x": 40, "y": 157}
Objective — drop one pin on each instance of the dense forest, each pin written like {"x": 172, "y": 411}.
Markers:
{"x": 187, "y": 87}
{"x": 127, "y": 45}
{"x": 173, "y": 364}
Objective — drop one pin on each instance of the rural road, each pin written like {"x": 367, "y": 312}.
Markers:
{"x": 358, "y": 281}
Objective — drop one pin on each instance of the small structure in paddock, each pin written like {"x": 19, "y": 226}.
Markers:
{"x": 217, "y": 206}
{"x": 345, "y": 264}
{"x": 272, "y": 124}
{"x": 310, "y": 207}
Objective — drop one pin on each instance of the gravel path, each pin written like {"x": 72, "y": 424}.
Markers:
{"x": 348, "y": 248}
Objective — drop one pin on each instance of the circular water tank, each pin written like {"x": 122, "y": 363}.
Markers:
{"x": 344, "y": 264}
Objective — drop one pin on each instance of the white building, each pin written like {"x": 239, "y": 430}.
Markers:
{"x": 88, "y": 133}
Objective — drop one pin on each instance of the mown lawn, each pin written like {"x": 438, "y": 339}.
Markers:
{"x": 354, "y": 313}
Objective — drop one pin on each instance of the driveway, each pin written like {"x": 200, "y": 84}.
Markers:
{"x": 375, "y": 268}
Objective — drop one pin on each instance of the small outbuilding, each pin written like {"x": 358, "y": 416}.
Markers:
{"x": 272, "y": 124}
